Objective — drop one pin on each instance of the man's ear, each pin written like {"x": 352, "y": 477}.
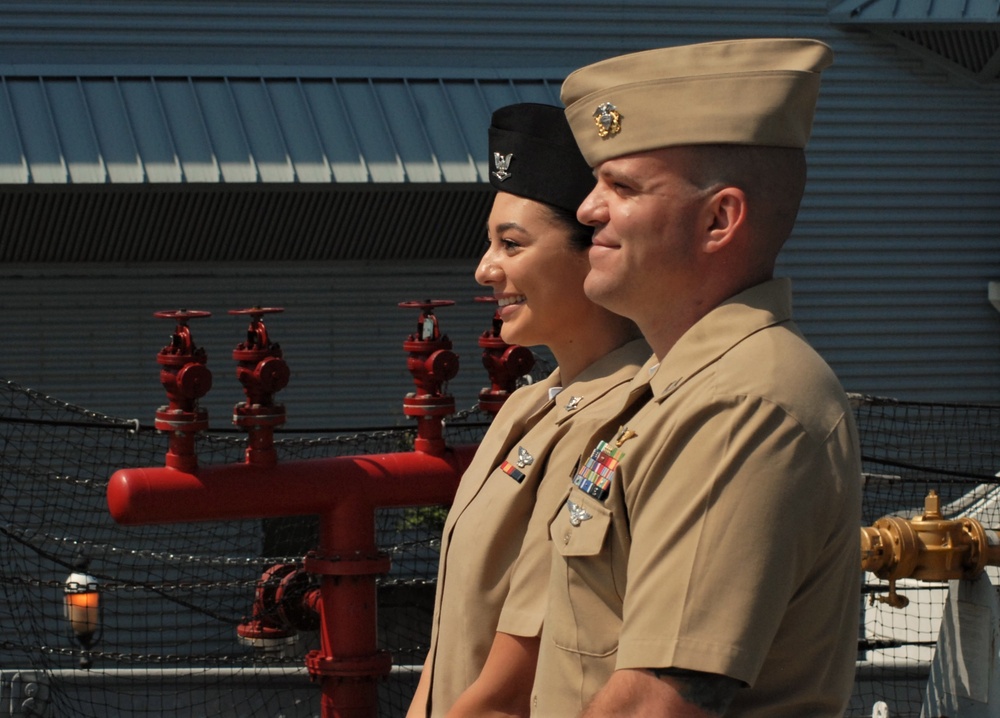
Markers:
{"x": 726, "y": 216}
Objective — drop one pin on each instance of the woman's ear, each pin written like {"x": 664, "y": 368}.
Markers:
{"x": 727, "y": 215}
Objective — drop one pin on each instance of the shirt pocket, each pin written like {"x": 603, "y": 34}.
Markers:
{"x": 585, "y": 611}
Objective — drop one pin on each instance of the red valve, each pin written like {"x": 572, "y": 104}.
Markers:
{"x": 186, "y": 379}
{"x": 427, "y": 325}
{"x": 432, "y": 363}
{"x": 262, "y": 370}
{"x": 286, "y": 601}
{"x": 505, "y": 363}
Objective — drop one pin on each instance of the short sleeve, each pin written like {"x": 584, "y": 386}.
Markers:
{"x": 725, "y": 523}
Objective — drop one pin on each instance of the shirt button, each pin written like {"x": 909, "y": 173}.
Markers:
{"x": 566, "y": 539}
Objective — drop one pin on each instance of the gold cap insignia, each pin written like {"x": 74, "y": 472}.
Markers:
{"x": 608, "y": 120}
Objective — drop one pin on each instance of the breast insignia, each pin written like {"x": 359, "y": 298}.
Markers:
{"x": 577, "y": 514}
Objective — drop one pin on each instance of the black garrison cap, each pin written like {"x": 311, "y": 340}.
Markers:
{"x": 533, "y": 155}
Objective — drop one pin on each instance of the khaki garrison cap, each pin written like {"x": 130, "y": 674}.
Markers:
{"x": 745, "y": 92}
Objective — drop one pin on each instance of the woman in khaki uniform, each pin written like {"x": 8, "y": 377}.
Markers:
{"x": 495, "y": 555}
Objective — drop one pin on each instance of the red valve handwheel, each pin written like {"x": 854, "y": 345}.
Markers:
{"x": 426, "y": 304}
{"x": 181, "y": 314}
{"x": 257, "y": 311}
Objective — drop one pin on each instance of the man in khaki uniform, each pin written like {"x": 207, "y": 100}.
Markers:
{"x": 706, "y": 554}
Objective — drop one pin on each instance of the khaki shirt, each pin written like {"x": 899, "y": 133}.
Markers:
{"x": 495, "y": 554}
{"x": 728, "y": 538}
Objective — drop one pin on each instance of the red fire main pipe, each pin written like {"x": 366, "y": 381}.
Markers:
{"x": 161, "y": 495}
{"x": 344, "y": 491}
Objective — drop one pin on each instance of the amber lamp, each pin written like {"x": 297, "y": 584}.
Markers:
{"x": 81, "y": 601}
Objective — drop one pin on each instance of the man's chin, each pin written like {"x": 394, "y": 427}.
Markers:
{"x": 599, "y": 290}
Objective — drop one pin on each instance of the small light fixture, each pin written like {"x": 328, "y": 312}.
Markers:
{"x": 82, "y": 604}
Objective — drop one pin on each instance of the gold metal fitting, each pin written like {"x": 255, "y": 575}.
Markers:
{"x": 928, "y": 548}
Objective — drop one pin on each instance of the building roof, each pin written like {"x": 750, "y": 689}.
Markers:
{"x": 310, "y": 91}
{"x": 167, "y": 130}
{"x": 962, "y": 36}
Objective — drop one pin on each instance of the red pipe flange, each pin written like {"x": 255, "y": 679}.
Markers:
{"x": 377, "y": 665}
{"x": 357, "y": 565}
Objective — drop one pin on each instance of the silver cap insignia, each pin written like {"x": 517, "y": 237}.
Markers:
{"x": 502, "y": 163}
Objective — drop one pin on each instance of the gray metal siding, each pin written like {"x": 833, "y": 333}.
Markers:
{"x": 424, "y": 37}
{"x": 897, "y": 238}
{"x": 227, "y": 223}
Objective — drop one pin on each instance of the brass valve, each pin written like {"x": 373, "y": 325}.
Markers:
{"x": 928, "y": 548}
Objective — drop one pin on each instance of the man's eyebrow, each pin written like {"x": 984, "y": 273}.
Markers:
{"x": 616, "y": 175}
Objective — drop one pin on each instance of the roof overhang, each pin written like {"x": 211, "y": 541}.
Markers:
{"x": 962, "y": 36}
{"x": 133, "y": 129}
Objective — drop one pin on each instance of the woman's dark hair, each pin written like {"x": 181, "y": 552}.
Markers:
{"x": 580, "y": 235}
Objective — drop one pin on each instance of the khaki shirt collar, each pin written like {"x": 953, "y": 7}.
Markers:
{"x": 748, "y": 312}
{"x": 612, "y": 370}
{"x": 546, "y": 396}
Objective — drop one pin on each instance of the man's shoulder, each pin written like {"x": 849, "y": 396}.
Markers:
{"x": 778, "y": 365}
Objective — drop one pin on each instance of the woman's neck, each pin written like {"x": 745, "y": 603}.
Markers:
{"x": 591, "y": 342}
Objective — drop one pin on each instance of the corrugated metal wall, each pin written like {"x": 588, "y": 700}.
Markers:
{"x": 235, "y": 223}
{"x": 900, "y": 231}
{"x": 897, "y": 238}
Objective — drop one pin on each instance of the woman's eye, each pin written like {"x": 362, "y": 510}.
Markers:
{"x": 509, "y": 245}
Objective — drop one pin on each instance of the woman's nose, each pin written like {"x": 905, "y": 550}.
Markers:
{"x": 488, "y": 272}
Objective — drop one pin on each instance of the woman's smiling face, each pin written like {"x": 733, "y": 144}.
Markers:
{"x": 535, "y": 273}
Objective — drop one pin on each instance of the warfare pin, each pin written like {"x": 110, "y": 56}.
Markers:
{"x": 577, "y": 514}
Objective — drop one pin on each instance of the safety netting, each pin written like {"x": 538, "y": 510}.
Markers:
{"x": 910, "y": 449}
{"x": 173, "y": 596}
